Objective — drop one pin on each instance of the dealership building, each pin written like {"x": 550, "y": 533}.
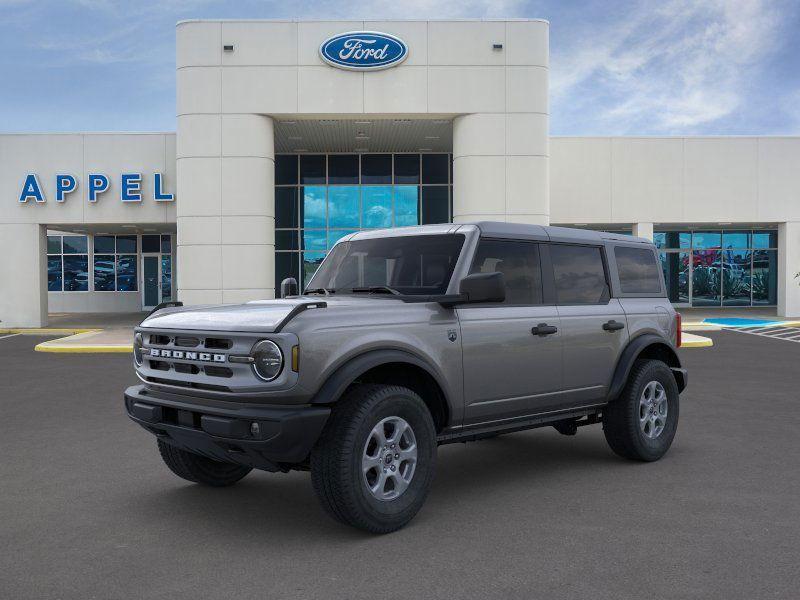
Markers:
{"x": 291, "y": 135}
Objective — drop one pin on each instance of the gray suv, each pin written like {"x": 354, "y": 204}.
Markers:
{"x": 406, "y": 339}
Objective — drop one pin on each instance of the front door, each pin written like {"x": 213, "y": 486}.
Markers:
{"x": 511, "y": 350}
{"x": 151, "y": 288}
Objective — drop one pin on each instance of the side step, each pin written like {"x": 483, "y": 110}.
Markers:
{"x": 591, "y": 414}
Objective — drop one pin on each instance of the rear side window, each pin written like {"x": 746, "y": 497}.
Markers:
{"x": 638, "y": 271}
{"x": 579, "y": 274}
{"x": 519, "y": 264}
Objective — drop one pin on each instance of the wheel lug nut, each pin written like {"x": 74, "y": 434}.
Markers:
{"x": 392, "y": 467}
{"x": 397, "y": 456}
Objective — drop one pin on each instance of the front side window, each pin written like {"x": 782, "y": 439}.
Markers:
{"x": 519, "y": 264}
{"x": 410, "y": 265}
{"x": 638, "y": 271}
{"x": 579, "y": 274}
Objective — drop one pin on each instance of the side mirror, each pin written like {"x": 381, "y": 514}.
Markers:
{"x": 483, "y": 287}
{"x": 289, "y": 287}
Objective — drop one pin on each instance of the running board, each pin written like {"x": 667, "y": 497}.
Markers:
{"x": 477, "y": 432}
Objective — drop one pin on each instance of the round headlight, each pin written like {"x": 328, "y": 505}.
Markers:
{"x": 138, "y": 342}
{"x": 268, "y": 360}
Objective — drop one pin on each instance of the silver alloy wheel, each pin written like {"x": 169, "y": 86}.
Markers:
{"x": 389, "y": 458}
{"x": 653, "y": 409}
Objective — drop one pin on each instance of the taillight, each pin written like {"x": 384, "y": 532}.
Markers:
{"x": 678, "y": 328}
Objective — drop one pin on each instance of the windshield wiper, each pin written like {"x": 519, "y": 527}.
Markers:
{"x": 323, "y": 291}
{"x": 375, "y": 289}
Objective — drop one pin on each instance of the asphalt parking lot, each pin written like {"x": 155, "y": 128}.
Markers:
{"x": 87, "y": 509}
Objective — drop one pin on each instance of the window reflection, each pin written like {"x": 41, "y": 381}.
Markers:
{"x": 706, "y": 277}
{"x": 676, "y": 275}
{"x": 343, "y": 206}
{"x": 406, "y": 205}
{"x": 377, "y": 206}
{"x": 314, "y": 206}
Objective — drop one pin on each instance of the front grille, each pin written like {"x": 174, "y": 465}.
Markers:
{"x": 218, "y": 344}
{"x": 187, "y": 342}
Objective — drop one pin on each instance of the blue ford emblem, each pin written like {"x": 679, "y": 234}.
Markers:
{"x": 363, "y": 50}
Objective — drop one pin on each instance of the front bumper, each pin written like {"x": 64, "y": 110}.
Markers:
{"x": 284, "y": 434}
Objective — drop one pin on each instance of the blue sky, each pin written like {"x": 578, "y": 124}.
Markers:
{"x": 617, "y": 68}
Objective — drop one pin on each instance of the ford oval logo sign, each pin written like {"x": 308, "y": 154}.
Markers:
{"x": 363, "y": 50}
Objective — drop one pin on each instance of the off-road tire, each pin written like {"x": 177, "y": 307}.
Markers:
{"x": 621, "y": 417}
{"x": 199, "y": 469}
{"x": 336, "y": 467}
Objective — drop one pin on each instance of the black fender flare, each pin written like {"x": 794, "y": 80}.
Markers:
{"x": 632, "y": 351}
{"x": 344, "y": 375}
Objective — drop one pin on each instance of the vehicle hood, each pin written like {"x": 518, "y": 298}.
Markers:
{"x": 258, "y": 316}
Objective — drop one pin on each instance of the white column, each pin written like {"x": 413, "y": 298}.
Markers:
{"x": 788, "y": 266}
{"x": 500, "y": 168}
{"x": 643, "y": 230}
{"x": 226, "y": 223}
{"x": 23, "y": 302}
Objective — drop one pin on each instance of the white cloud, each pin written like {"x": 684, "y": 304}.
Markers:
{"x": 671, "y": 69}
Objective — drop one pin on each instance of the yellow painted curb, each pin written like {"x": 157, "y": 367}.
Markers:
{"x": 61, "y": 348}
{"x": 46, "y": 331}
{"x": 689, "y": 340}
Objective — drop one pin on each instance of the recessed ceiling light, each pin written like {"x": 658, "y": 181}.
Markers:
{"x": 402, "y": 121}
{"x": 363, "y": 122}
{"x": 361, "y": 149}
{"x": 361, "y": 136}
{"x": 329, "y": 121}
{"x": 441, "y": 121}
{"x": 295, "y": 137}
{"x": 301, "y": 150}
{"x": 288, "y": 122}
{"x": 426, "y": 149}
{"x": 431, "y": 137}
{"x": 128, "y": 226}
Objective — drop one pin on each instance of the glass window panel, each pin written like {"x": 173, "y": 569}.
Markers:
{"x": 406, "y": 168}
{"x": 104, "y": 244}
{"x": 435, "y": 205}
{"x": 54, "y": 279}
{"x": 314, "y": 206}
{"x": 706, "y": 239}
{"x": 334, "y": 235}
{"x": 406, "y": 205}
{"x": 311, "y": 262}
{"x": 376, "y": 206}
{"x": 54, "y": 244}
{"x": 126, "y": 273}
{"x": 166, "y": 278}
{"x": 638, "y": 271}
{"x": 285, "y": 169}
{"x": 765, "y": 277}
{"x": 343, "y": 206}
{"x": 103, "y": 272}
{"x": 166, "y": 244}
{"x": 76, "y": 273}
{"x": 579, "y": 274}
{"x": 519, "y": 264}
{"x": 765, "y": 239}
{"x": 434, "y": 168}
{"x": 75, "y": 244}
{"x": 287, "y": 239}
{"x": 286, "y": 207}
{"x": 706, "y": 277}
{"x": 376, "y": 168}
{"x": 312, "y": 168}
{"x": 672, "y": 239}
{"x": 315, "y": 239}
{"x": 736, "y": 277}
{"x": 675, "y": 266}
{"x": 286, "y": 265}
{"x": 150, "y": 243}
{"x": 126, "y": 244}
{"x": 736, "y": 239}
{"x": 343, "y": 168}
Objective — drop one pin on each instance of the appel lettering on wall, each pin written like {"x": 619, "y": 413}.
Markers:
{"x": 95, "y": 185}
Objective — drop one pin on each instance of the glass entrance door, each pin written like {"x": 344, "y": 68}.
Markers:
{"x": 151, "y": 288}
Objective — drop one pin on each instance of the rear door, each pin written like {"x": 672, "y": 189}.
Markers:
{"x": 593, "y": 324}
{"x": 511, "y": 350}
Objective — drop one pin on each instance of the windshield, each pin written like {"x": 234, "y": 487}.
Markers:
{"x": 410, "y": 265}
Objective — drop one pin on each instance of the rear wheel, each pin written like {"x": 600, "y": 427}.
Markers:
{"x": 374, "y": 463}
{"x": 641, "y": 423}
{"x": 199, "y": 469}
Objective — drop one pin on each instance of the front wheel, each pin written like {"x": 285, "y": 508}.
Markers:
{"x": 374, "y": 463}
{"x": 199, "y": 469}
{"x": 641, "y": 423}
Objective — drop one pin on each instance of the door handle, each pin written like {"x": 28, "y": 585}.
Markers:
{"x": 613, "y": 325}
{"x": 544, "y": 329}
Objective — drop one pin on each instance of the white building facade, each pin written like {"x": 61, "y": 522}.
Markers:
{"x": 292, "y": 134}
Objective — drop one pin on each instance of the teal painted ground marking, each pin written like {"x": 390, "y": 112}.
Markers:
{"x": 738, "y": 322}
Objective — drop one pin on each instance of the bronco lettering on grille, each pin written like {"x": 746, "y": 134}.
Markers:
{"x": 181, "y": 354}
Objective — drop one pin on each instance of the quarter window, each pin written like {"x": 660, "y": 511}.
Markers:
{"x": 579, "y": 274}
{"x": 519, "y": 264}
{"x": 638, "y": 271}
